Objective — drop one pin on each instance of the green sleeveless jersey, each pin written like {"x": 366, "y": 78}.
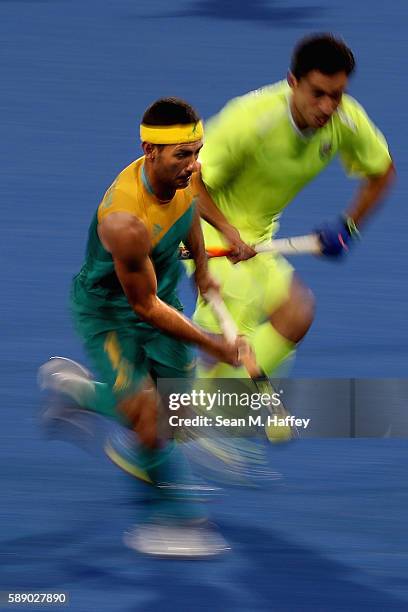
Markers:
{"x": 96, "y": 289}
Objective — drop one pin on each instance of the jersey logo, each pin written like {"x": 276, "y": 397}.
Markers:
{"x": 108, "y": 197}
{"x": 157, "y": 228}
{"x": 325, "y": 150}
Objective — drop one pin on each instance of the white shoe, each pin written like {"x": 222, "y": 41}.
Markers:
{"x": 64, "y": 375}
{"x": 176, "y": 541}
{"x": 63, "y": 418}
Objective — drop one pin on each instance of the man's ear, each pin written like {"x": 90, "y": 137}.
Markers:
{"x": 292, "y": 80}
{"x": 149, "y": 150}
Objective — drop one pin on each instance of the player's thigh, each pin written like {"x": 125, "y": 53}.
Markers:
{"x": 117, "y": 353}
{"x": 169, "y": 357}
{"x": 251, "y": 290}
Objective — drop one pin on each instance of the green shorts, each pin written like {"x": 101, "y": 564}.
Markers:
{"x": 123, "y": 354}
{"x": 251, "y": 289}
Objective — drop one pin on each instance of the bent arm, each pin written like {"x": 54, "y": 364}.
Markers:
{"x": 195, "y": 244}
{"x": 371, "y": 192}
{"x": 213, "y": 215}
{"x": 128, "y": 241}
{"x": 364, "y": 153}
{"x": 209, "y": 211}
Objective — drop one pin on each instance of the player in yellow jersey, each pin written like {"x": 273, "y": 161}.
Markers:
{"x": 128, "y": 314}
{"x": 259, "y": 152}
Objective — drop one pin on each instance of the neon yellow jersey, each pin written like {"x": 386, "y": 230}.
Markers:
{"x": 255, "y": 160}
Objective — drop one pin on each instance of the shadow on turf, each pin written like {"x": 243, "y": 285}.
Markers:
{"x": 255, "y": 11}
{"x": 263, "y": 572}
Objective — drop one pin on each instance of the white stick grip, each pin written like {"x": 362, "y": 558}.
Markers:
{"x": 297, "y": 245}
{"x": 230, "y": 330}
{"x": 227, "y": 323}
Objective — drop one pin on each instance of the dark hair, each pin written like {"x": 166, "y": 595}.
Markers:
{"x": 322, "y": 52}
{"x": 170, "y": 111}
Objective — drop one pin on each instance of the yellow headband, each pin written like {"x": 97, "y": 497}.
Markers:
{"x": 171, "y": 134}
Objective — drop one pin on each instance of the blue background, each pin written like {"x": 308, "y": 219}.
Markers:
{"x": 76, "y": 78}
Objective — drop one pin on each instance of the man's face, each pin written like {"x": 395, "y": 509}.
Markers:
{"x": 174, "y": 164}
{"x": 315, "y": 97}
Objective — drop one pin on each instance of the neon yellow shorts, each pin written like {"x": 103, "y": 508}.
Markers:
{"x": 251, "y": 289}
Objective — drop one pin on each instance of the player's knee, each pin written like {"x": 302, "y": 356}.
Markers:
{"x": 294, "y": 318}
{"x": 141, "y": 411}
{"x": 305, "y": 311}
{"x": 147, "y": 434}
{"x": 146, "y": 426}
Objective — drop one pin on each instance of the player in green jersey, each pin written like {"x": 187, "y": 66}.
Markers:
{"x": 259, "y": 152}
{"x": 127, "y": 312}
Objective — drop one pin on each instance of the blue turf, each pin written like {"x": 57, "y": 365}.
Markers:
{"x": 76, "y": 77}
